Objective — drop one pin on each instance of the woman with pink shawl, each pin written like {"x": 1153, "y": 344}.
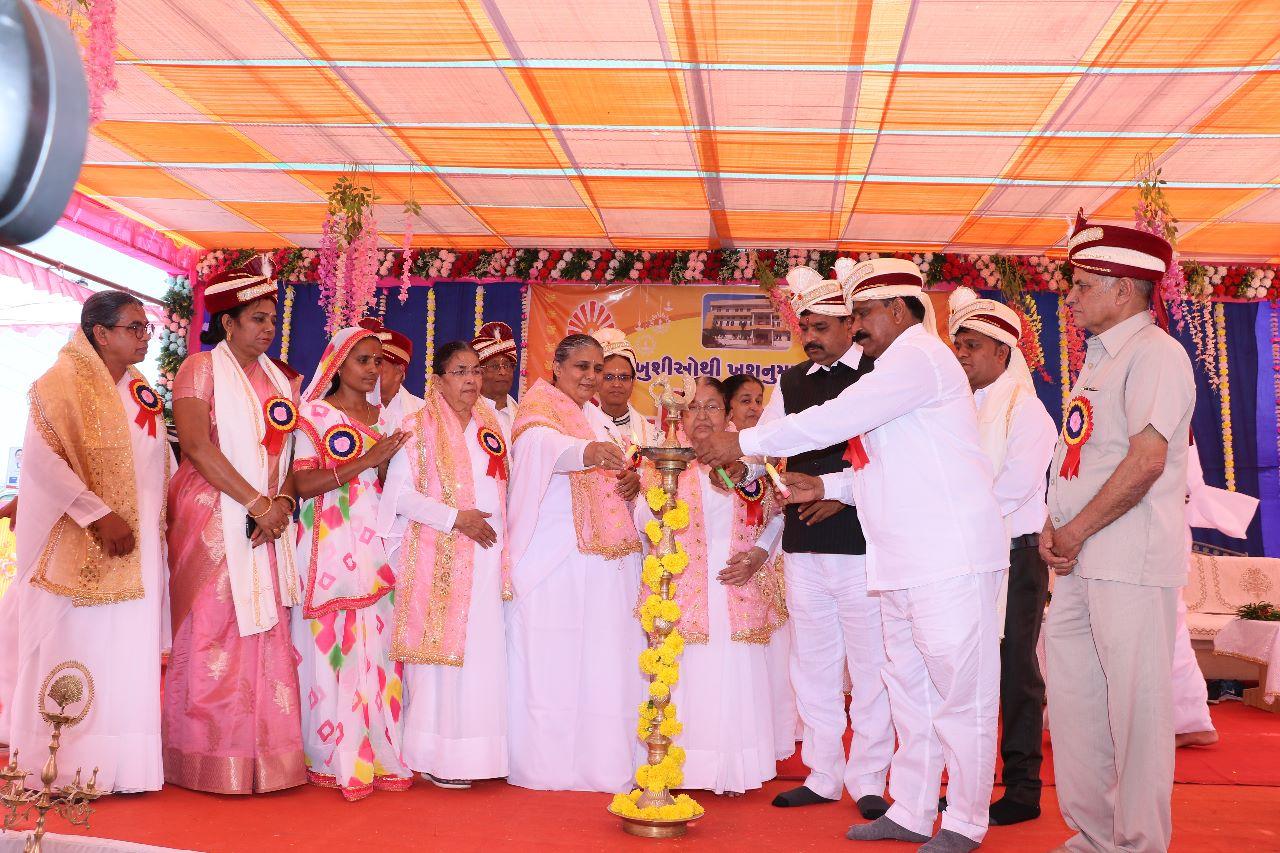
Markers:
{"x": 231, "y": 713}
{"x": 572, "y": 638}
{"x": 736, "y": 726}
{"x": 342, "y": 633}
{"x": 444, "y": 515}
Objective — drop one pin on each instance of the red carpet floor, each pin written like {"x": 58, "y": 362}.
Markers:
{"x": 1208, "y": 817}
{"x": 1247, "y": 754}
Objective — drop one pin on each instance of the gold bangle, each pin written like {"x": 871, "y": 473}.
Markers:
{"x": 292, "y": 503}
{"x": 337, "y": 481}
{"x": 249, "y": 506}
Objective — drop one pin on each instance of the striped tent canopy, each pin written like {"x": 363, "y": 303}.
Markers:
{"x": 960, "y": 125}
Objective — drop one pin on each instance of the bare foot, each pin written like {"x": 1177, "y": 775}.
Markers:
{"x": 1196, "y": 738}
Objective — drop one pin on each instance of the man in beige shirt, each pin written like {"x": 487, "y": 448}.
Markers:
{"x": 1115, "y": 537}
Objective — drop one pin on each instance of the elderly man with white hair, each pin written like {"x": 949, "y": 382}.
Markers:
{"x": 936, "y": 548}
{"x": 1017, "y": 434}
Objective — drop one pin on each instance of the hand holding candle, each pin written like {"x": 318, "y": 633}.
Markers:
{"x": 777, "y": 480}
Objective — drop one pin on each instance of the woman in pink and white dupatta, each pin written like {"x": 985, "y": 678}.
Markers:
{"x": 443, "y": 514}
{"x": 351, "y": 716}
{"x": 572, "y": 638}
{"x": 736, "y": 726}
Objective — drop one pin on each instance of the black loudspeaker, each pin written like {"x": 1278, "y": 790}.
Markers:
{"x": 44, "y": 120}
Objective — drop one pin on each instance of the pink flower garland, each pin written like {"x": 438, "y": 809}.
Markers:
{"x": 1172, "y": 288}
{"x": 100, "y": 55}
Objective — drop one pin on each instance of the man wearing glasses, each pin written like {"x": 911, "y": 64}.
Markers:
{"x": 496, "y": 346}
{"x": 627, "y": 426}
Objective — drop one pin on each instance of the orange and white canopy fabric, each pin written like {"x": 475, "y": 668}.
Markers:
{"x": 840, "y": 124}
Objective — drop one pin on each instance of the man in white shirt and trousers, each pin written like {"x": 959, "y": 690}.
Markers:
{"x": 936, "y": 548}
{"x": 836, "y": 622}
{"x": 397, "y": 351}
{"x": 1018, "y": 435}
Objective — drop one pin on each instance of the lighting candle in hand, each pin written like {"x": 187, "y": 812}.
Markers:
{"x": 724, "y": 478}
{"x": 633, "y": 455}
{"x": 777, "y": 480}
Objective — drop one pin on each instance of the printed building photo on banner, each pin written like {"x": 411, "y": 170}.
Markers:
{"x": 742, "y": 321}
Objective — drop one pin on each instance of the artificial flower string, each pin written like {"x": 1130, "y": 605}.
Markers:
{"x": 286, "y": 322}
{"x": 429, "y": 350}
{"x": 1224, "y": 398}
{"x": 479, "y": 307}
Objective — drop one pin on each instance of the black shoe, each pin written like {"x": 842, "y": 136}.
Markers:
{"x": 1006, "y": 812}
{"x": 801, "y": 796}
{"x": 872, "y": 807}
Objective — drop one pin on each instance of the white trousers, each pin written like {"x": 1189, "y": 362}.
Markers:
{"x": 1110, "y": 650}
{"x": 943, "y": 676}
{"x": 1190, "y": 693}
{"x": 837, "y": 625}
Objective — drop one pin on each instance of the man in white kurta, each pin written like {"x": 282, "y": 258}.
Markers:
{"x": 496, "y": 346}
{"x": 455, "y": 717}
{"x": 936, "y": 548}
{"x": 572, "y": 638}
{"x": 1018, "y": 435}
{"x": 835, "y": 621}
{"x": 119, "y": 643}
{"x": 626, "y": 425}
{"x": 397, "y": 351}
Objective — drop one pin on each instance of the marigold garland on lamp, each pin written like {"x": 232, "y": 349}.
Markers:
{"x": 650, "y": 810}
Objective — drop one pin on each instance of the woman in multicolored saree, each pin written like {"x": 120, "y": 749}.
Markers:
{"x": 444, "y": 514}
{"x": 231, "y": 717}
{"x": 736, "y": 726}
{"x": 351, "y": 716}
{"x": 572, "y": 638}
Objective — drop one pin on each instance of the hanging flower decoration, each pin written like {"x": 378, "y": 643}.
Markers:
{"x": 1224, "y": 397}
{"x": 348, "y": 257}
{"x": 412, "y": 210}
{"x": 479, "y": 307}
{"x": 1153, "y": 215}
{"x": 97, "y": 19}
{"x": 286, "y": 322}
{"x": 658, "y": 723}
{"x": 429, "y": 349}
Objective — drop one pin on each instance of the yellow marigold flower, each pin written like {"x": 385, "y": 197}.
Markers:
{"x": 669, "y": 728}
{"x": 649, "y": 661}
{"x": 676, "y": 755}
{"x": 677, "y": 562}
{"x": 658, "y": 690}
{"x": 646, "y": 623}
{"x": 648, "y": 710}
{"x": 654, "y": 531}
{"x": 622, "y": 804}
{"x": 642, "y": 775}
{"x": 652, "y": 563}
{"x": 669, "y": 712}
{"x": 669, "y": 611}
{"x": 656, "y": 497}
{"x": 666, "y": 655}
{"x": 642, "y": 729}
{"x": 678, "y": 518}
{"x": 675, "y": 642}
{"x": 668, "y": 675}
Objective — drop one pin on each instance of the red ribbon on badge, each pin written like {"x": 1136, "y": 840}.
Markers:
{"x": 752, "y": 495}
{"x": 149, "y": 405}
{"x": 281, "y": 418}
{"x": 855, "y": 454}
{"x": 497, "y": 450}
{"x": 1077, "y": 426}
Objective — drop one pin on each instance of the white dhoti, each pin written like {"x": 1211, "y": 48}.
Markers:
{"x": 1190, "y": 693}
{"x": 943, "y": 677}
{"x": 838, "y": 624}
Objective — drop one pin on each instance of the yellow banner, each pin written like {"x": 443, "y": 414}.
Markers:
{"x": 682, "y": 331}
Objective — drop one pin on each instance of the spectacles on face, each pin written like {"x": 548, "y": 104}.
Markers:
{"x": 706, "y": 408}
{"x": 618, "y": 377}
{"x": 501, "y": 366}
{"x": 464, "y": 372}
{"x": 141, "y": 331}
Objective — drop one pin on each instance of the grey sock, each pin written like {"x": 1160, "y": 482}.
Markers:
{"x": 883, "y": 829}
{"x": 948, "y": 841}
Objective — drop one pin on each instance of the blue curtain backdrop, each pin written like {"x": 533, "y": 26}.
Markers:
{"x": 1251, "y": 380}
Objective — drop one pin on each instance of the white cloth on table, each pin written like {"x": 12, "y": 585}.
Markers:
{"x": 573, "y": 643}
{"x": 1256, "y": 641}
{"x": 119, "y": 643}
{"x": 455, "y": 717}
{"x": 944, "y": 685}
{"x": 837, "y": 628}
{"x": 918, "y": 424}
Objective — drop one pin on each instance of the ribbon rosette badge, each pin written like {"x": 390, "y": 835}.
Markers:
{"x": 1077, "y": 426}
{"x": 752, "y": 494}
{"x": 281, "y": 418}
{"x": 149, "y": 405}
{"x": 497, "y": 450}
{"x": 341, "y": 443}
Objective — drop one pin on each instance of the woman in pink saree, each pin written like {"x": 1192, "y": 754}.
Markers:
{"x": 351, "y": 722}
{"x": 231, "y": 714}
